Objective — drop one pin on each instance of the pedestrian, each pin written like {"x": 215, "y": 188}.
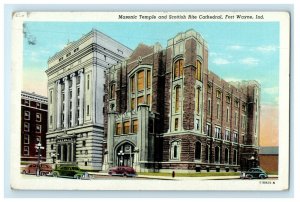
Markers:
{"x": 173, "y": 174}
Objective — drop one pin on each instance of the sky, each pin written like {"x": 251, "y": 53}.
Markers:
{"x": 237, "y": 51}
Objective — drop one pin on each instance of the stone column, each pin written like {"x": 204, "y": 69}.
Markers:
{"x": 66, "y": 112}
{"x": 68, "y": 153}
{"x": 72, "y": 151}
{"x": 110, "y": 137}
{"x": 58, "y": 104}
{"x": 80, "y": 72}
{"x": 74, "y": 99}
{"x": 142, "y": 136}
{"x": 62, "y": 152}
{"x": 57, "y": 153}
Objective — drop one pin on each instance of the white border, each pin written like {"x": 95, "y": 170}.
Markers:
{"x": 18, "y": 182}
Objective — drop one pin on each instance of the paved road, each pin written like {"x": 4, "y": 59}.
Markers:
{"x": 106, "y": 177}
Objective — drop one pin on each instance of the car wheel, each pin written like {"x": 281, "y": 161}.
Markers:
{"x": 78, "y": 177}
{"x": 55, "y": 174}
{"x": 262, "y": 177}
{"x": 24, "y": 172}
{"x": 250, "y": 177}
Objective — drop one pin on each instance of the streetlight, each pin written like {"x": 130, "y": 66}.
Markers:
{"x": 53, "y": 156}
{"x": 38, "y": 147}
{"x": 121, "y": 154}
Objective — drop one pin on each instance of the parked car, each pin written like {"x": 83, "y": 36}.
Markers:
{"x": 45, "y": 169}
{"x": 254, "y": 173}
{"x": 70, "y": 171}
{"x": 122, "y": 171}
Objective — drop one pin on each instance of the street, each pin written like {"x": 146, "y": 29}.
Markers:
{"x": 107, "y": 177}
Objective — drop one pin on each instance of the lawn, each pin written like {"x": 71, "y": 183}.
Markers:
{"x": 193, "y": 174}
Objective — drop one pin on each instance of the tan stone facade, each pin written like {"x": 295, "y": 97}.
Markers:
{"x": 171, "y": 112}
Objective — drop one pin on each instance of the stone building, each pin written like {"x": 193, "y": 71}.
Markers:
{"x": 75, "y": 97}
{"x": 34, "y": 114}
{"x": 166, "y": 111}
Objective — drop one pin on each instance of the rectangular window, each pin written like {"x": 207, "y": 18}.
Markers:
{"x": 38, "y": 128}
{"x": 26, "y": 139}
{"x": 148, "y": 79}
{"x": 244, "y": 108}
{"x": 38, "y": 105}
{"x": 26, "y": 102}
{"x": 88, "y": 82}
{"x": 227, "y": 115}
{"x": 26, "y": 150}
{"x": 132, "y": 103}
{"x": 198, "y": 71}
{"x": 132, "y": 84}
{"x": 60, "y": 59}
{"x": 209, "y": 88}
{"x": 178, "y": 69}
{"x": 51, "y": 119}
{"x": 235, "y": 137}
{"x": 149, "y": 99}
{"x": 218, "y": 94}
{"x": 68, "y": 54}
{"x": 197, "y": 96}
{"x": 135, "y": 126}
{"x": 209, "y": 107}
{"x": 218, "y": 132}
{"x": 176, "y": 124}
{"x": 228, "y": 99}
{"x": 177, "y": 99}
{"x": 235, "y": 119}
{"x": 243, "y": 121}
{"x": 208, "y": 129}
{"x": 227, "y": 135}
{"x": 197, "y": 124}
{"x": 26, "y": 127}
{"x": 126, "y": 126}
{"x": 141, "y": 80}
{"x": 140, "y": 100}
{"x": 78, "y": 91}
{"x": 236, "y": 103}
{"x": 119, "y": 128}
{"x": 51, "y": 97}
{"x": 218, "y": 111}
{"x": 26, "y": 115}
{"x": 38, "y": 117}
{"x": 38, "y": 139}
{"x": 88, "y": 110}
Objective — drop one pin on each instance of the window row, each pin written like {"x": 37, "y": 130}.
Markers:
{"x": 226, "y": 136}
{"x": 178, "y": 70}
{"x": 38, "y": 116}
{"x": 32, "y": 104}
{"x": 175, "y": 152}
{"x": 68, "y": 54}
{"x": 127, "y": 127}
{"x": 27, "y": 139}
{"x": 38, "y": 128}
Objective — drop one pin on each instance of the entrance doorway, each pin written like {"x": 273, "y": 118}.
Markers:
{"x": 125, "y": 155}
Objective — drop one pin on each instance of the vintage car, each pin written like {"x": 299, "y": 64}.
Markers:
{"x": 122, "y": 171}
{"x": 70, "y": 171}
{"x": 45, "y": 169}
{"x": 254, "y": 173}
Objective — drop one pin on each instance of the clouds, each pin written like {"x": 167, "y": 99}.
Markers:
{"x": 249, "y": 61}
{"x": 266, "y": 49}
{"x": 221, "y": 61}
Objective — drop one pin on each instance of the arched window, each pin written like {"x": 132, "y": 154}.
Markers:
{"x": 175, "y": 150}
{"x": 198, "y": 151}
{"x": 198, "y": 71}
{"x": 177, "y": 98}
{"x": 178, "y": 69}
{"x": 112, "y": 91}
{"x": 226, "y": 156}
{"x": 197, "y": 99}
{"x": 132, "y": 84}
{"x": 217, "y": 155}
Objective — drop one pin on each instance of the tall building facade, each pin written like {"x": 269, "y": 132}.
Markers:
{"x": 34, "y": 115}
{"x": 166, "y": 111}
{"x": 75, "y": 99}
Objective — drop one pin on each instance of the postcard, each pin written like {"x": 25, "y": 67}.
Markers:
{"x": 150, "y": 101}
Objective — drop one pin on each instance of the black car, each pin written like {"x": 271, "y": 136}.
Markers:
{"x": 254, "y": 173}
